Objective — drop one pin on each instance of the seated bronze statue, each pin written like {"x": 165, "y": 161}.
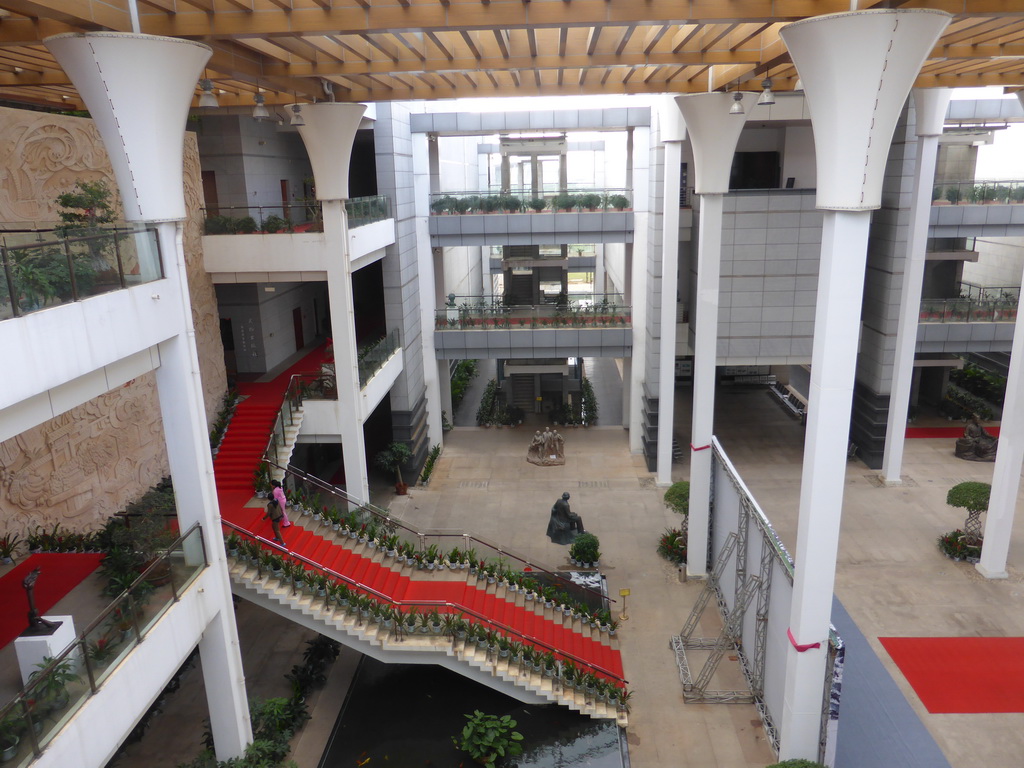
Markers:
{"x": 563, "y": 525}
{"x": 976, "y": 444}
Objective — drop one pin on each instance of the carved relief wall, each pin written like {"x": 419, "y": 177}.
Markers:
{"x": 86, "y": 464}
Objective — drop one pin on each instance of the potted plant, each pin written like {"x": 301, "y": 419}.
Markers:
{"x": 391, "y": 459}
{"x": 585, "y": 549}
{"x": 8, "y": 544}
{"x": 538, "y": 204}
{"x": 53, "y": 689}
{"x": 10, "y": 730}
{"x": 488, "y": 737}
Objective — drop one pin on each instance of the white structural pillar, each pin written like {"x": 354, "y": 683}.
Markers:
{"x": 328, "y": 132}
{"x": 713, "y": 133}
{"x": 930, "y": 110}
{"x": 857, "y": 70}
{"x": 1009, "y": 460}
{"x": 138, "y": 89}
{"x": 673, "y": 133}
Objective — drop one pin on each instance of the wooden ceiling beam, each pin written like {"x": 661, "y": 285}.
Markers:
{"x": 445, "y": 51}
{"x": 412, "y": 41}
{"x": 683, "y": 36}
{"x": 653, "y": 37}
{"x": 375, "y": 42}
{"x": 501, "y": 38}
{"x": 88, "y": 15}
{"x": 470, "y": 41}
{"x": 707, "y": 45}
{"x": 164, "y": 6}
{"x": 624, "y": 39}
{"x": 592, "y": 37}
{"x": 498, "y": 62}
{"x": 203, "y": 5}
{"x": 563, "y": 38}
{"x": 531, "y": 37}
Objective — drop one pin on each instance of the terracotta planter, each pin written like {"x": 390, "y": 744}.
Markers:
{"x": 401, "y": 488}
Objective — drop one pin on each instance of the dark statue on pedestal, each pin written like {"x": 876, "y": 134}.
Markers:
{"x": 976, "y": 444}
{"x": 37, "y": 625}
{"x": 563, "y": 525}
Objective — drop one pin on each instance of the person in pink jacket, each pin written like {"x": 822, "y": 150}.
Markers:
{"x": 282, "y": 502}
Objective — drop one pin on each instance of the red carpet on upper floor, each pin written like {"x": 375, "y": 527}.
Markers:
{"x": 963, "y": 675}
{"x": 944, "y": 432}
{"x": 240, "y": 454}
{"x": 59, "y": 574}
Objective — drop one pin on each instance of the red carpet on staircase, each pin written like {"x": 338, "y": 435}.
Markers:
{"x": 59, "y": 574}
{"x": 240, "y": 454}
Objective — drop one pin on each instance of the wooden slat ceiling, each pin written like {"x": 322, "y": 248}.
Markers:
{"x": 384, "y": 50}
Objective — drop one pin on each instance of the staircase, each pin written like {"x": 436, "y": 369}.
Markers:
{"x": 368, "y": 571}
{"x": 522, "y": 391}
{"x": 391, "y": 644}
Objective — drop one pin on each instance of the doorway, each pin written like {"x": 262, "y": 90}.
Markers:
{"x": 297, "y": 325}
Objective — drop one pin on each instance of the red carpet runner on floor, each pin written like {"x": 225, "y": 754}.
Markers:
{"x": 238, "y": 458}
{"x": 59, "y": 575}
{"x": 943, "y": 432}
{"x": 964, "y": 675}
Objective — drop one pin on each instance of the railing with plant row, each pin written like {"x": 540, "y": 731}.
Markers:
{"x": 305, "y": 215}
{"x": 372, "y": 357}
{"x": 978, "y": 192}
{"x": 43, "y": 269}
{"x": 526, "y": 201}
{"x": 56, "y": 692}
{"x": 337, "y": 508}
{"x": 573, "y": 311}
{"x": 370, "y": 604}
{"x": 968, "y": 311}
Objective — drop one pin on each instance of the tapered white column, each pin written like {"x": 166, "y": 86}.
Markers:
{"x": 328, "y": 132}
{"x": 713, "y": 133}
{"x": 930, "y": 112}
{"x": 1002, "y": 502}
{"x": 138, "y": 89}
{"x": 857, "y": 70}
{"x": 673, "y": 132}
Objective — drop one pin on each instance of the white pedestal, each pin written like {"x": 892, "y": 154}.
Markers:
{"x": 32, "y": 650}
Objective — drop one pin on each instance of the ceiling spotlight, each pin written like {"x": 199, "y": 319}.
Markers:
{"x": 207, "y": 98}
{"x": 297, "y": 118}
{"x": 260, "y": 112}
{"x": 737, "y": 104}
{"x": 767, "y": 98}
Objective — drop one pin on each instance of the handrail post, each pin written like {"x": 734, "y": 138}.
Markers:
{"x": 89, "y": 672}
{"x": 120, "y": 264}
{"x": 71, "y": 270}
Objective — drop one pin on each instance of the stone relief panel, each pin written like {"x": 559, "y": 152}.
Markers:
{"x": 87, "y": 463}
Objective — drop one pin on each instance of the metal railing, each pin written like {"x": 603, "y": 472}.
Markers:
{"x": 572, "y": 311}
{"x": 968, "y": 311}
{"x": 448, "y": 606}
{"x": 62, "y": 685}
{"x": 41, "y": 269}
{"x": 978, "y": 192}
{"x": 990, "y": 292}
{"x": 304, "y": 215}
{"x": 525, "y": 201}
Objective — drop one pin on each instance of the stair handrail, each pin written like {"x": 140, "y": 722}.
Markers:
{"x": 274, "y": 546}
{"x": 384, "y": 518}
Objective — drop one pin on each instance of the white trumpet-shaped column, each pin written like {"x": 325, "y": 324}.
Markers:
{"x": 1009, "y": 459}
{"x": 673, "y": 133}
{"x": 857, "y": 70}
{"x": 930, "y": 108}
{"x": 713, "y": 135}
{"x": 138, "y": 89}
{"x": 328, "y": 133}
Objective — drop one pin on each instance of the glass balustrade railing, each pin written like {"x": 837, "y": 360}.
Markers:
{"x": 47, "y": 268}
{"x": 978, "y": 192}
{"x": 968, "y": 311}
{"x": 291, "y": 216}
{"x": 526, "y": 201}
{"x": 372, "y": 357}
{"x": 62, "y": 685}
{"x": 572, "y": 311}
